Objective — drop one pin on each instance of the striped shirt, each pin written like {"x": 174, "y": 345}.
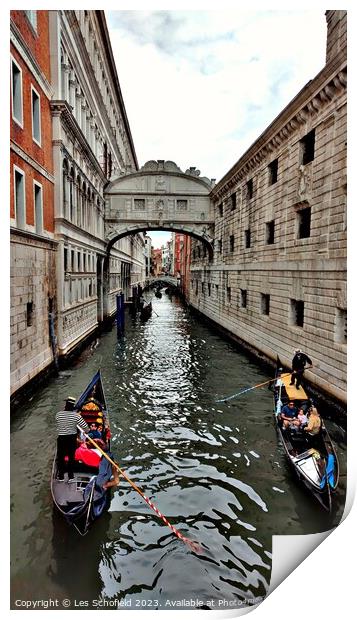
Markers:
{"x": 67, "y": 422}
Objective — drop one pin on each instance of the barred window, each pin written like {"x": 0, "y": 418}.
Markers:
{"x": 181, "y": 205}
{"x": 139, "y": 204}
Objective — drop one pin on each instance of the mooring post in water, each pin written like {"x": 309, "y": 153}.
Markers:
{"x": 122, "y": 313}
{"x": 119, "y": 317}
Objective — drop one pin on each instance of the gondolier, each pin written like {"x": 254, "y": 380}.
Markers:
{"x": 67, "y": 422}
{"x": 298, "y": 364}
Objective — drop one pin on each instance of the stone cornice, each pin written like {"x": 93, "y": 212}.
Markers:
{"x": 62, "y": 109}
{"x": 25, "y": 53}
{"x": 25, "y": 237}
{"x": 329, "y": 84}
{"x": 32, "y": 162}
{"x": 319, "y": 264}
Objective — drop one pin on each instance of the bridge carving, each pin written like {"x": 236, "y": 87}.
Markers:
{"x": 160, "y": 196}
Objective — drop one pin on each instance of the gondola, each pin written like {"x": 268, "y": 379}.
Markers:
{"x": 313, "y": 459}
{"x": 146, "y": 312}
{"x": 83, "y": 499}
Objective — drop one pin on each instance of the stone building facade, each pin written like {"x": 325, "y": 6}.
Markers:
{"x": 278, "y": 277}
{"x": 92, "y": 143}
{"x": 33, "y": 245}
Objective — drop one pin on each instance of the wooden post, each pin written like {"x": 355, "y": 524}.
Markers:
{"x": 119, "y": 317}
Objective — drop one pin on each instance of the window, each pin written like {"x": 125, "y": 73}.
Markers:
{"x": 203, "y": 288}
{"x": 19, "y": 198}
{"x": 341, "y": 326}
{"x": 247, "y": 239}
{"x": 273, "y": 172}
{"x": 229, "y": 294}
{"x": 38, "y": 205}
{"x": 139, "y": 204}
{"x": 32, "y": 17}
{"x": 231, "y": 243}
{"x": 36, "y": 116}
{"x": 29, "y": 314}
{"x": 304, "y": 223}
{"x": 243, "y": 298}
{"x": 220, "y": 210}
{"x": 233, "y": 202}
{"x": 250, "y": 189}
{"x": 72, "y": 260}
{"x": 16, "y": 93}
{"x": 269, "y": 232}
{"x": 209, "y": 289}
{"x": 65, "y": 259}
{"x": 307, "y": 148}
{"x": 265, "y": 303}
{"x": 219, "y": 246}
{"x": 297, "y": 312}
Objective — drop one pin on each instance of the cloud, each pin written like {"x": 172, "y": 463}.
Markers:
{"x": 198, "y": 85}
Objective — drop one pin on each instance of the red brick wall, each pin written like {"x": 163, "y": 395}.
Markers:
{"x": 38, "y": 45}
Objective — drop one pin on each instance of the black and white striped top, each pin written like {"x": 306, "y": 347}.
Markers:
{"x": 67, "y": 422}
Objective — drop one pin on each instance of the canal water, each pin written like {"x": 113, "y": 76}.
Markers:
{"x": 215, "y": 470}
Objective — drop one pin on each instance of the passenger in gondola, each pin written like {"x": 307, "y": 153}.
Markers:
{"x": 288, "y": 414}
{"x": 301, "y": 420}
{"x": 94, "y": 431}
{"x": 298, "y": 364}
{"x": 314, "y": 422}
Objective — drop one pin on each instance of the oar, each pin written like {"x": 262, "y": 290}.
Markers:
{"x": 193, "y": 545}
{"x": 223, "y": 400}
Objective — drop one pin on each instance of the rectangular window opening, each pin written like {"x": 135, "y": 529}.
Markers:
{"x": 341, "y": 326}
{"x": 265, "y": 304}
{"x": 304, "y": 223}
{"x": 270, "y": 232}
{"x": 233, "y": 202}
{"x": 20, "y": 199}
{"x": 250, "y": 189}
{"x": 273, "y": 171}
{"x": 38, "y": 208}
{"x": 243, "y": 298}
{"x": 16, "y": 91}
{"x": 307, "y": 145}
{"x": 36, "y": 117}
{"x": 297, "y": 312}
{"x": 247, "y": 238}
{"x": 29, "y": 313}
{"x": 231, "y": 243}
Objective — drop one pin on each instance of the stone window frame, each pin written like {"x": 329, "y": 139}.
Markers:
{"x": 308, "y": 147}
{"x": 231, "y": 243}
{"x": 250, "y": 189}
{"x": 36, "y": 116}
{"x": 340, "y": 335}
{"x": 20, "y": 209}
{"x": 38, "y": 206}
{"x": 273, "y": 168}
{"x": 29, "y": 313}
{"x": 247, "y": 238}
{"x": 19, "y": 102}
{"x": 32, "y": 19}
{"x": 302, "y": 225}
{"x": 243, "y": 298}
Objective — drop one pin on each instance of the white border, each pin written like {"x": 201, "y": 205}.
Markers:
{"x": 33, "y": 90}
{"x": 19, "y": 122}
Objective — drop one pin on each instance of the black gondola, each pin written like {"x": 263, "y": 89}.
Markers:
{"x": 313, "y": 459}
{"x": 83, "y": 499}
{"x": 146, "y": 312}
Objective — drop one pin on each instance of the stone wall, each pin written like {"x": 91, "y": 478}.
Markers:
{"x": 32, "y": 286}
{"x": 283, "y": 284}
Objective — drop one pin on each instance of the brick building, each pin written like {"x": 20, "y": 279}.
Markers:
{"x": 33, "y": 247}
{"x": 278, "y": 277}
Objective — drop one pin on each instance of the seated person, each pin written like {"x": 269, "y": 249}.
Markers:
{"x": 314, "y": 422}
{"x": 288, "y": 414}
{"x": 301, "y": 420}
{"x": 94, "y": 431}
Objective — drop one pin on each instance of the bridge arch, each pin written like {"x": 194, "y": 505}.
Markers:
{"x": 160, "y": 196}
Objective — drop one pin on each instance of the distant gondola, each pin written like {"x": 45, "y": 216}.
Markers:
{"x": 313, "y": 459}
{"x": 83, "y": 499}
{"x": 146, "y": 312}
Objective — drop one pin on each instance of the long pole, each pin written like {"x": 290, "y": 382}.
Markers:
{"x": 193, "y": 545}
{"x": 223, "y": 400}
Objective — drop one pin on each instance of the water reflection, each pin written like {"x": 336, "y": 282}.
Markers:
{"x": 215, "y": 471}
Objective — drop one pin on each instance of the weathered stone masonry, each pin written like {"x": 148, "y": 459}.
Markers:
{"x": 278, "y": 279}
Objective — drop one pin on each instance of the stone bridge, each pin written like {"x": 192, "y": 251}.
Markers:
{"x": 165, "y": 279}
{"x": 160, "y": 196}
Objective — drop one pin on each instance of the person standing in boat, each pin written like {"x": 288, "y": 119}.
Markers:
{"x": 67, "y": 422}
{"x": 298, "y": 364}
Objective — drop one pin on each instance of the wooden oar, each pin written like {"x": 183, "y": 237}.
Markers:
{"x": 193, "y": 545}
{"x": 152, "y": 308}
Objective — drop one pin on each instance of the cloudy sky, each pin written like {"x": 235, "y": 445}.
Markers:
{"x": 200, "y": 86}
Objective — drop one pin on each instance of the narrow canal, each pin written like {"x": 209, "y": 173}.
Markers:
{"x": 215, "y": 470}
